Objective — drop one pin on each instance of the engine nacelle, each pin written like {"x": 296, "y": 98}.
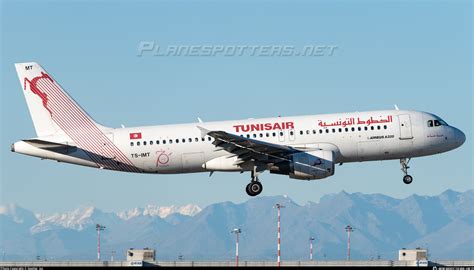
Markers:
{"x": 312, "y": 165}
{"x": 308, "y": 165}
{"x": 224, "y": 164}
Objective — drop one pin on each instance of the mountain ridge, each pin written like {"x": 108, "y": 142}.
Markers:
{"x": 383, "y": 225}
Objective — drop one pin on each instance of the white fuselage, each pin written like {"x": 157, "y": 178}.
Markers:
{"x": 353, "y": 137}
{"x": 301, "y": 147}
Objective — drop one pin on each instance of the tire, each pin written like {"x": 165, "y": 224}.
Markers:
{"x": 407, "y": 179}
{"x": 247, "y": 189}
{"x": 254, "y": 189}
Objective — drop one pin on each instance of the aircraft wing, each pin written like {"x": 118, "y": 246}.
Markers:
{"x": 247, "y": 149}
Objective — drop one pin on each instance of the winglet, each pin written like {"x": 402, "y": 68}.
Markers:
{"x": 396, "y": 107}
{"x": 200, "y": 120}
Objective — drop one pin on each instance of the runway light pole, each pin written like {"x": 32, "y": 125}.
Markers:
{"x": 278, "y": 207}
{"x": 349, "y": 229}
{"x": 98, "y": 228}
{"x": 311, "y": 239}
{"x": 237, "y": 232}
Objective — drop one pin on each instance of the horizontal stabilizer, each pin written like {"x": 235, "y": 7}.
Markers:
{"x": 52, "y": 146}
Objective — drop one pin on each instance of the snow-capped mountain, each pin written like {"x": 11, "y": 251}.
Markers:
{"x": 444, "y": 224}
{"x": 18, "y": 215}
{"x": 83, "y": 217}
{"x": 76, "y": 219}
{"x": 161, "y": 211}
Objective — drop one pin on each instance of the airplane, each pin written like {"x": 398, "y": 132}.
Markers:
{"x": 301, "y": 147}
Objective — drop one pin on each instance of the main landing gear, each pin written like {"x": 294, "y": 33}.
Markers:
{"x": 407, "y": 179}
{"x": 254, "y": 188}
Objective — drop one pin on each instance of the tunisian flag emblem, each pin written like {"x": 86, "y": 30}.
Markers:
{"x": 135, "y": 136}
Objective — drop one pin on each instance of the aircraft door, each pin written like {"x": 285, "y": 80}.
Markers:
{"x": 406, "y": 132}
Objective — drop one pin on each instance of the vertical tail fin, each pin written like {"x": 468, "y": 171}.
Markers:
{"x": 54, "y": 112}
{"x": 51, "y": 108}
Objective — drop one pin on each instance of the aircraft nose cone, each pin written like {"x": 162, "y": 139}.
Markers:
{"x": 460, "y": 137}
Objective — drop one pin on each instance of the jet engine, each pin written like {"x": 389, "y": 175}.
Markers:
{"x": 311, "y": 165}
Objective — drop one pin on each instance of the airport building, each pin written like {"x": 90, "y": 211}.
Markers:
{"x": 143, "y": 255}
{"x": 413, "y": 255}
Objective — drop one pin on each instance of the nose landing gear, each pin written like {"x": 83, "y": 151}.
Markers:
{"x": 407, "y": 179}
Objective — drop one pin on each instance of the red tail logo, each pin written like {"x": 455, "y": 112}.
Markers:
{"x": 34, "y": 88}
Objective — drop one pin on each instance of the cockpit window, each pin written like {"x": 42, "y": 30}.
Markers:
{"x": 442, "y": 122}
{"x": 436, "y": 123}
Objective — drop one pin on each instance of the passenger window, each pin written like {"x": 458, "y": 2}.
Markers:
{"x": 385, "y": 127}
{"x": 366, "y": 128}
{"x": 151, "y": 142}
{"x": 144, "y": 143}
{"x": 372, "y": 128}
{"x": 164, "y": 141}
{"x": 340, "y": 129}
{"x": 268, "y": 135}
{"x": 430, "y": 123}
{"x": 327, "y": 130}
{"x": 190, "y": 140}
{"x": 248, "y": 136}
{"x": 314, "y": 131}
{"x": 261, "y": 135}
{"x": 171, "y": 141}
{"x": 209, "y": 138}
{"x": 177, "y": 140}
{"x": 157, "y": 142}
{"x": 255, "y": 135}
{"x": 274, "y": 134}
{"x": 183, "y": 140}
{"x": 131, "y": 144}
{"x": 196, "y": 139}
{"x": 378, "y": 127}
{"x": 138, "y": 143}
{"x": 353, "y": 129}
{"x": 292, "y": 133}
{"x": 308, "y": 132}
{"x": 301, "y": 132}
{"x": 333, "y": 130}
{"x": 320, "y": 131}
{"x": 203, "y": 139}
{"x": 359, "y": 128}
{"x": 346, "y": 129}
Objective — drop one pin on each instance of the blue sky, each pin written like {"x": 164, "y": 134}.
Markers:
{"x": 416, "y": 54}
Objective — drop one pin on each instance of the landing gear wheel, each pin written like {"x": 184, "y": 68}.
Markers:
{"x": 254, "y": 189}
{"x": 407, "y": 179}
{"x": 247, "y": 189}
